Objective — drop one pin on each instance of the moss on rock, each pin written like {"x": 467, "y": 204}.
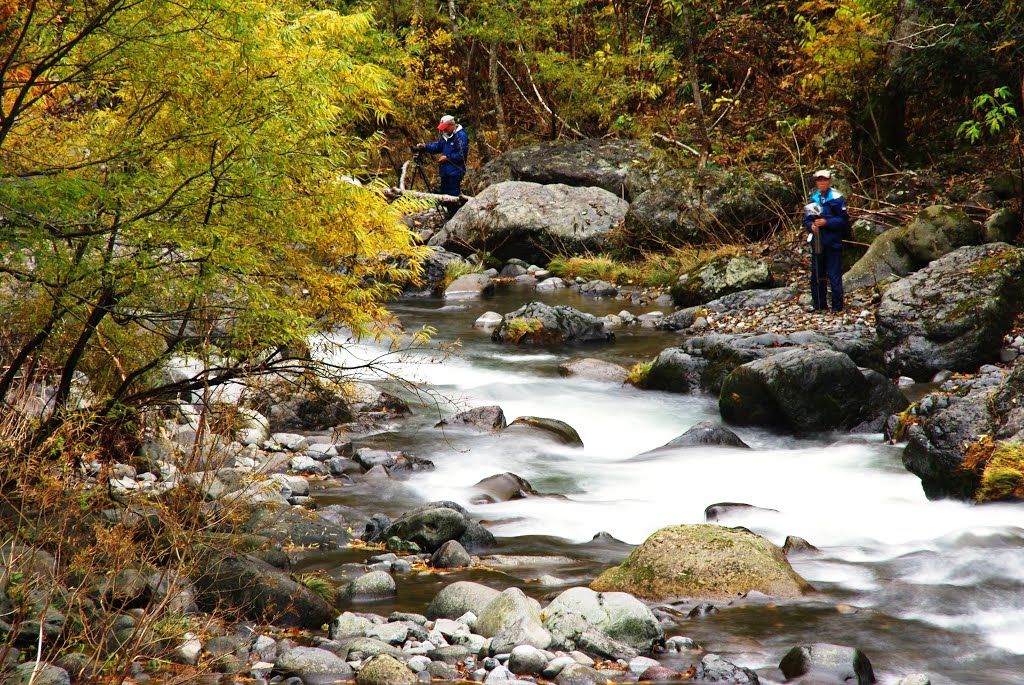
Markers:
{"x": 703, "y": 562}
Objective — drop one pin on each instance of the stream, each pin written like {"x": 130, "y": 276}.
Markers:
{"x": 919, "y": 586}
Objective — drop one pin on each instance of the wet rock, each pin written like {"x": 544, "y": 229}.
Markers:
{"x": 660, "y": 674}
{"x": 451, "y": 555}
{"x": 468, "y": 287}
{"x": 701, "y": 610}
{"x": 846, "y": 664}
{"x": 429, "y": 526}
{"x": 539, "y": 324}
{"x": 802, "y": 390}
{"x": 361, "y": 648}
{"x": 502, "y": 487}
{"x": 694, "y": 206}
{"x": 720, "y": 511}
{"x": 561, "y": 431}
{"x": 303, "y": 405}
{"x": 719, "y": 277}
{"x": 456, "y": 599}
{"x": 532, "y": 221}
{"x": 594, "y": 370}
{"x": 954, "y": 313}
{"x": 581, "y": 618}
{"x": 511, "y": 270}
{"x": 435, "y": 268}
{"x": 624, "y": 168}
{"x": 487, "y": 320}
{"x": 751, "y": 300}
{"x": 703, "y": 562}
{"x": 288, "y": 526}
{"x": 715, "y": 669}
{"x": 707, "y": 433}
{"x": 384, "y": 669}
{"x": 481, "y": 418}
{"x": 797, "y": 545}
{"x": 676, "y": 371}
{"x": 550, "y": 284}
{"x": 509, "y": 608}
{"x": 313, "y": 665}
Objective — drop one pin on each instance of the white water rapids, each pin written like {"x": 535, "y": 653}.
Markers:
{"x": 945, "y": 564}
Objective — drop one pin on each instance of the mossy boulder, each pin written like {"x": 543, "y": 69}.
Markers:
{"x": 706, "y": 563}
{"x": 952, "y": 314}
{"x": 536, "y": 323}
{"x": 934, "y": 232}
{"x": 709, "y": 206}
{"x": 1003, "y": 226}
{"x": 938, "y": 230}
{"x": 719, "y": 277}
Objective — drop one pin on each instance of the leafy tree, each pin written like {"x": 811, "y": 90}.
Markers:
{"x": 174, "y": 181}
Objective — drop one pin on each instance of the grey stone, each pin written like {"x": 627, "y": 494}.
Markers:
{"x": 550, "y": 325}
{"x": 309, "y": 662}
{"x": 482, "y": 418}
{"x": 719, "y": 277}
{"x": 468, "y": 287}
{"x": 542, "y": 219}
{"x": 456, "y": 599}
{"x": 594, "y": 369}
{"x": 372, "y": 586}
{"x": 384, "y": 669}
{"x": 44, "y": 674}
{"x": 527, "y": 660}
{"x": 451, "y": 555}
{"x": 615, "y": 615}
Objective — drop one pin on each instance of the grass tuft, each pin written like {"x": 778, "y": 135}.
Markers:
{"x": 638, "y": 374}
{"x": 1003, "y": 477}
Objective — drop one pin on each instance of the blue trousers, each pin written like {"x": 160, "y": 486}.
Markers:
{"x": 830, "y": 265}
{"x": 451, "y": 185}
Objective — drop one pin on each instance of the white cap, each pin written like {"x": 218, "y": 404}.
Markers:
{"x": 445, "y": 120}
{"x": 822, "y": 173}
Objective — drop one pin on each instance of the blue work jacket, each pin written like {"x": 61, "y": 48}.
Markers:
{"x": 456, "y": 148}
{"x": 833, "y": 211}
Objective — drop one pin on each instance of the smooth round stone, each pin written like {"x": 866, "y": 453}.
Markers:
{"x": 527, "y": 660}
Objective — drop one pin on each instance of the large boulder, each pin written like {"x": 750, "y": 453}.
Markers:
{"x": 953, "y": 313}
{"x": 258, "y": 591}
{"x": 805, "y": 390}
{"x": 624, "y": 168}
{"x": 313, "y": 665}
{"x": 536, "y": 323}
{"x": 502, "y": 487}
{"x": 951, "y": 434}
{"x": 610, "y": 621}
{"x": 384, "y": 669}
{"x": 531, "y": 222}
{"x": 934, "y": 232}
{"x": 703, "y": 362}
{"x": 706, "y": 563}
{"x": 487, "y": 418}
{"x": 435, "y": 268}
{"x": 549, "y": 428}
{"x": 719, "y": 277}
{"x": 708, "y": 206}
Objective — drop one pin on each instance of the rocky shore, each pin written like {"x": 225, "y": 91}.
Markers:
{"x": 936, "y": 301}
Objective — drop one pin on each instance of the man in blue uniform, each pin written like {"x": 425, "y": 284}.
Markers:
{"x": 826, "y": 219}
{"x": 453, "y": 146}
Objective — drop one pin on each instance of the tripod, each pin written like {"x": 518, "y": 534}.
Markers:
{"x": 419, "y": 173}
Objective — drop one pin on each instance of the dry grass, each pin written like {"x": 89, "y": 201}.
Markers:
{"x": 1003, "y": 477}
{"x": 652, "y": 270}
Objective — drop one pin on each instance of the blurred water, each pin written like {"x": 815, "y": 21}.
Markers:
{"x": 934, "y": 586}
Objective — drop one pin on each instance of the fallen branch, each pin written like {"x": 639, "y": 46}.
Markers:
{"x": 678, "y": 144}
{"x": 392, "y": 193}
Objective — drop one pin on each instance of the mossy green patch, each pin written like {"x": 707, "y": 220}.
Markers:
{"x": 1003, "y": 477}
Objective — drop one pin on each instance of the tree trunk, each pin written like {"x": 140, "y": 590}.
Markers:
{"x": 499, "y": 106}
{"x": 893, "y": 106}
{"x": 691, "y": 62}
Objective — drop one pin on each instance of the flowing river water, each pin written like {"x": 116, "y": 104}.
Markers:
{"x": 932, "y": 587}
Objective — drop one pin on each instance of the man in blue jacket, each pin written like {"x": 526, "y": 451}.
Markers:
{"x": 453, "y": 146}
{"x": 826, "y": 220}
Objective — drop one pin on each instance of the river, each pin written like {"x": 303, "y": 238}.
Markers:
{"x": 919, "y": 586}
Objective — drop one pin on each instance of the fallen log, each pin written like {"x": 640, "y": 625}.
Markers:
{"x": 393, "y": 192}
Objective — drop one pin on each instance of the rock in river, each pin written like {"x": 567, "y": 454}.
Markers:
{"x": 703, "y": 562}
{"x": 539, "y": 324}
